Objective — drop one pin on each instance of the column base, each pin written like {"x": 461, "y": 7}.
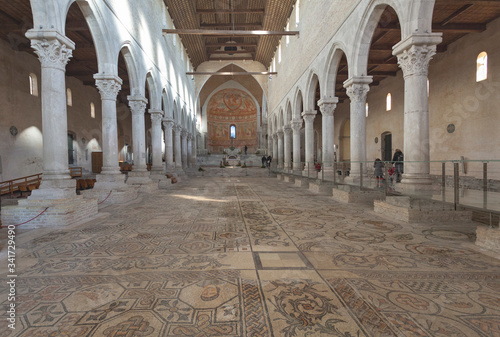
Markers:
{"x": 111, "y": 189}
{"x": 54, "y": 189}
{"x": 489, "y": 239}
{"x": 60, "y": 212}
{"x": 138, "y": 178}
{"x": 416, "y": 179}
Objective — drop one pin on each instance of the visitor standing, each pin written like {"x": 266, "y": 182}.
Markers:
{"x": 397, "y": 160}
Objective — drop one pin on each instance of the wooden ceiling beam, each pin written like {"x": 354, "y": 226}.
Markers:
{"x": 230, "y": 44}
{"x": 236, "y": 58}
{"x": 230, "y": 11}
{"x": 455, "y": 14}
{"x": 233, "y": 73}
{"x": 229, "y": 25}
{"x": 228, "y": 32}
{"x": 232, "y": 52}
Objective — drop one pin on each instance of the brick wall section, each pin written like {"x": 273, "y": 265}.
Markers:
{"x": 59, "y": 214}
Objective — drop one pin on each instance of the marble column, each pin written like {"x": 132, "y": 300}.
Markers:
{"x": 109, "y": 86}
{"x": 177, "y": 146}
{"x": 54, "y": 51}
{"x": 270, "y": 145}
{"x": 138, "y": 108}
{"x": 357, "y": 90}
{"x": 263, "y": 142}
{"x": 327, "y": 107}
{"x": 275, "y": 149}
{"x": 309, "y": 138}
{"x": 287, "y": 146}
{"x": 156, "y": 138}
{"x": 414, "y": 55}
{"x": 296, "y": 127}
{"x": 168, "y": 124}
{"x": 280, "y": 149}
{"x": 190, "y": 150}
{"x": 184, "y": 148}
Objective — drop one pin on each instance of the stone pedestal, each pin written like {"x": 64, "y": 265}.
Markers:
{"x": 59, "y": 213}
{"x": 489, "y": 239}
{"x": 323, "y": 187}
{"x": 302, "y": 182}
{"x": 407, "y": 209}
{"x": 289, "y": 178}
{"x": 353, "y": 194}
{"x": 111, "y": 189}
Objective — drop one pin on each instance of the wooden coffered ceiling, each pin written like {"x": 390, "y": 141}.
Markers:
{"x": 454, "y": 18}
{"x": 238, "y": 15}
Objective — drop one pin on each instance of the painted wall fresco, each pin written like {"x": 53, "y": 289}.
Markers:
{"x": 231, "y": 107}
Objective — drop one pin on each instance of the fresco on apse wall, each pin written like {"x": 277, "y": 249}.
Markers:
{"x": 231, "y": 107}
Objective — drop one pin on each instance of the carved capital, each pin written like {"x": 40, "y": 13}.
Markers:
{"x": 296, "y": 125}
{"x": 156, "y": 116}
{"x": 108, "y": 87}
{"x": 309, "y": 116}
{"x": 328, "y": 106}
{"x": 168, "y": 123}
{"x": 415, "y": 60}
{"x": 178, "y": 129}
{"x": 357, "y": 92}
{"x": 137, "y": 104}
{"x": 287, "y": 130}
{"x": 275, "y": 136}
{"x": 280, "y": 134}
{"x": 184, "y": 133}
{"x": 52, "y": 53}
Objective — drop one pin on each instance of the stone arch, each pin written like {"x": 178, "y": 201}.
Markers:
{"x": 167, "y": 103}
{"x": 280, "y": 119}
{"x": 155, "y": 97}
{"x": 332, "y": 67}
{"x": 311, "y": 90}
{"x": 288, "y": 112}
{"x": 49, "y": 14}
{"x": 369, "y": 22}
{"x": 298, "y": 105}
{"x": 131, "y": 64}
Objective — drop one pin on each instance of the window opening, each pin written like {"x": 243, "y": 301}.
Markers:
{"x": 482, "y": 67}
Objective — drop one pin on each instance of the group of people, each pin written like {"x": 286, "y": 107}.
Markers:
{"x": 266, "y": 161}
{"x": 395, "y": 171}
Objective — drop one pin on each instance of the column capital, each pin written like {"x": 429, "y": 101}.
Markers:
{"x": 108, "y": 85}
{"x": 274, "y": 136}
{"x": 168, "y": 123}
{"x": 156, "y": 112}
{"x": 184, "y": 133}
{"x": 309, "y": 116}
{"x": 137, "y": 104}
{"x": 296, "y": 124}
{"x": 177, "y": 128}
{"x": 190, "y": 136}
{"x": 280, "y": 133}
{"x": 156, "y": 117}
{"x": 328, "y": 105}
{"x": 358, "y": 87}
{"x": 287, "y": 129}
{"x": 53, "y": 49}
{"x": 415, "y": 52}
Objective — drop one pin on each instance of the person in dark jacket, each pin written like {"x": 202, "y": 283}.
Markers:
{"x": 379, "y": 172}
{"x": 397, "y": 160}
{"x": 264, "y": 159}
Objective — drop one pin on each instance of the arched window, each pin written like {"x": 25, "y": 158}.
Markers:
{"x": 92, "y": 110}
{"x": 69, "y": 97}
{"x": 279, "y": 53}
{"x": 232, "y": 131}
{"x": 482, "y": 67}
{"x": 33, "y": 85}
{"x": 288, "y": 36}
{"x": 388, "y": 102}
{"x": 297, "y": 13}
{"x": 366, "y": 108}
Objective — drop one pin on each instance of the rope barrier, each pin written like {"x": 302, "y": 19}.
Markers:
{"x": 105, "y": 198}
{"x": 28, "y": 220}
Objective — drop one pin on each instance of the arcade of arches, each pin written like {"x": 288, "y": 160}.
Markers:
{"x": 117, "y": 119}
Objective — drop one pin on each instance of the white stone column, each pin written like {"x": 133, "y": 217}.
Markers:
{"x": 109, "y": 86}
{"x": 327, "y": 107}
{"x": 309, "y": 138}
{"x": 177, "y": 146}
{"x": 357, "y": 90}
{"x": 275, "y": 149}
{"x": 263, "y": 143}
{"x": 168, "y": 124}
{"x": 190, "y": 150}
{"x": 156, "y": 135}
{"x": 138, "y": 107}
{"x": 287, "y": 146}
{"x": 414, "y": 55}
{"x": 184, "y": 148}
{"x": 54, "y": 51}
{"x": 296, "y": 127}
{"x": 280, "y": 149}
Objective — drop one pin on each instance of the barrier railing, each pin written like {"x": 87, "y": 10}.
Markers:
{"x": 471, "y": 183}
{"x": 20, "y": 184}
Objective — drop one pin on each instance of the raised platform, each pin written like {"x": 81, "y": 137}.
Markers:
{"x": 319, "y": 186}
{"x": 353, "y": 194}
{"x": 59, "y": 213}
{"x": 489, "y": 238}
{"x": 407, "y": 209}
{"x": 301, "y": 182}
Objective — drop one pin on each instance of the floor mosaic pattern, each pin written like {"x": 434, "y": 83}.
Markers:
{"x": 252, "y": 257}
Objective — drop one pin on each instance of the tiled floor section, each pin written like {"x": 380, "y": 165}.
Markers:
{"x": 252, "y": 257}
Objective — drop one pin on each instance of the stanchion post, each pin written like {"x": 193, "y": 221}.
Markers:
{"x": 485, "y": 176}
{"x": 360, "y": 176}
{"x": 455, "y": 184}
{"x": 443, "y": 174}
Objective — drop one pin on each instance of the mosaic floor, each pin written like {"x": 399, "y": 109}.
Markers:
{"x": 251, "y": 257}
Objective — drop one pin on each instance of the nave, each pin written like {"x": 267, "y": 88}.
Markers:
{"x": 252, "y": 256}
